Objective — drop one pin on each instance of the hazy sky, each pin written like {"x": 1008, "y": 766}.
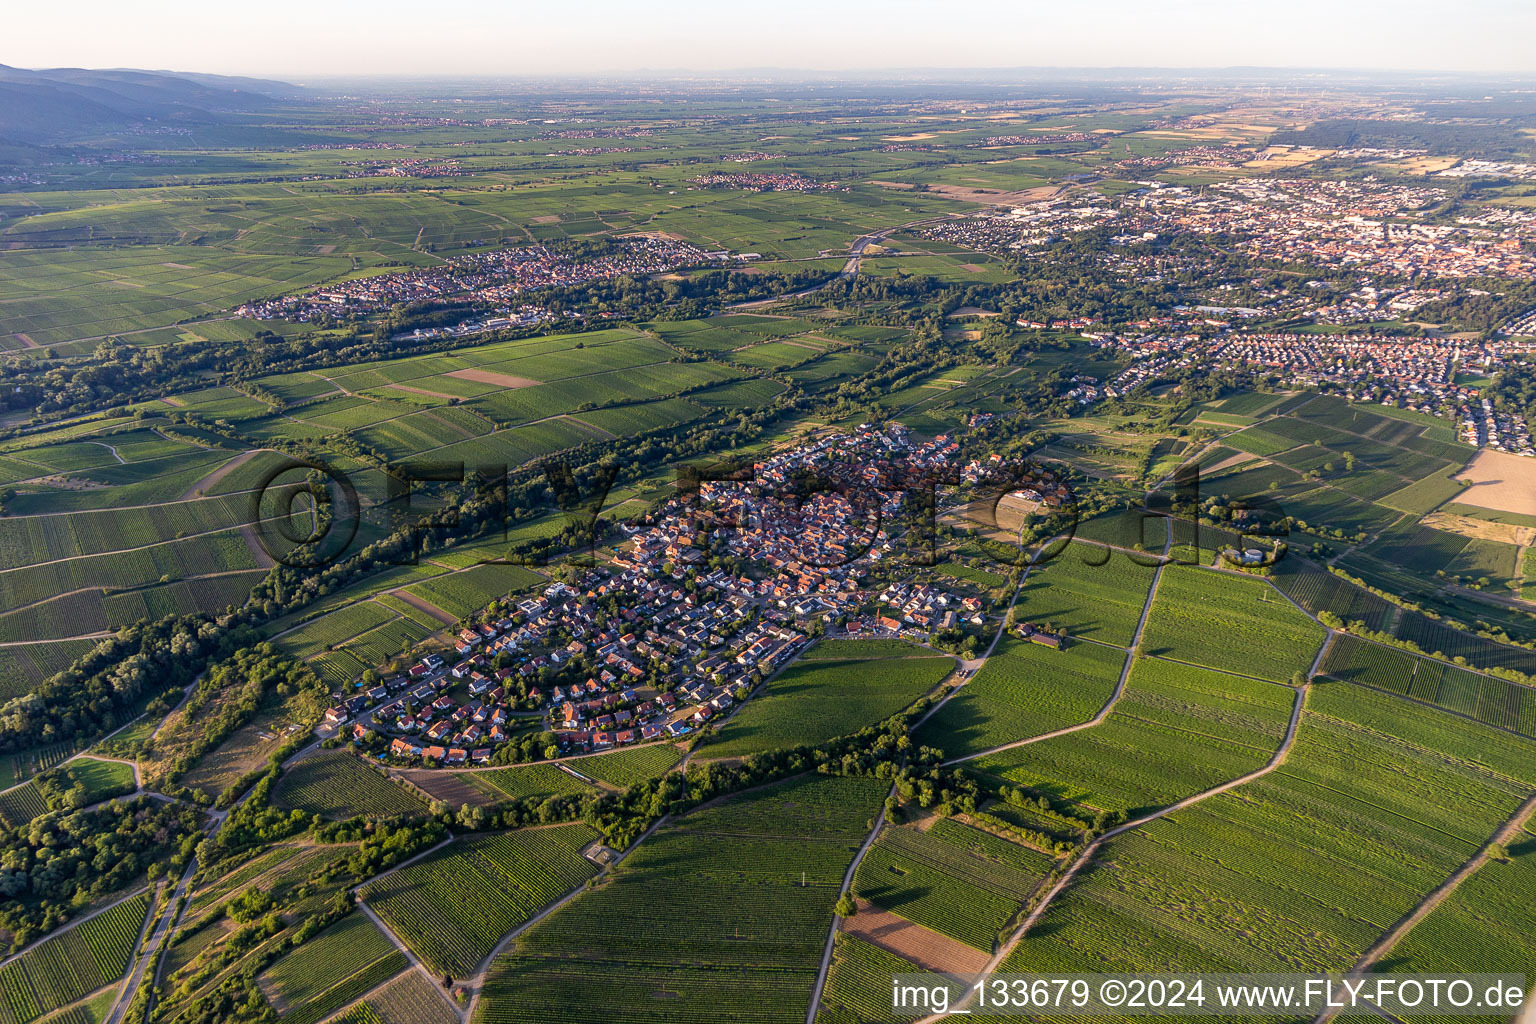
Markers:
{"x": 292, "y": 39}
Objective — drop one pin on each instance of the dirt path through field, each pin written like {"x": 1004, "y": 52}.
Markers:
{"x": 212, "y": 479}
{"x": 1093, "y": 848}
{"x": 1384, "y": 945}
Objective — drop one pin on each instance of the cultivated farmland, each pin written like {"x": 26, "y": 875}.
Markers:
{"x": 330, "y": 970}
{"x": 725, "y": 911}
{"x": 1175, "y": 731}
{"x": 823, "y": 699}
{"x": 454, "y": 906}
{"x": 1025, "y": 690}
{"x": 1228, "y": 622}
{"x": 336, "y": 784}
{"x": 954, "y": 879}
{"x": 72, "y": 964}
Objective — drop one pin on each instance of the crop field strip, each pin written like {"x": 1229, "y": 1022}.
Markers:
{"x": 73, "y": 963}
{"x": 453, "y": 907}
{"x": 408, "y": 999}
{"x": 212, "y": 890}
{"x": 1499, "y": 702}
{"x": 528, "y": 782}
{"x": 1089, "y": 591}
{"x": 178, "y": 539}
{"x": 335, "y": 784}
{"x": 1377, "y": 802}
{"x": 954, "y": 879}
{"x": 1229, "y": 622}
{"x": 859, "y": 983}
{"x": 625, "y": 768}
{"x": 821, "y": 699}
{"x": 1025, "y": 690}
{"x": 720, "y": 914}
{"x": 325, "y": 973}
{"x": 1486, "y": 926}
{"x": 1176, "y": 730}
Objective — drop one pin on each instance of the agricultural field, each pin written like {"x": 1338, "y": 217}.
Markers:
{"x": 470, "y": 591}
{"x": 1498, "y": 702}
{"x": 72, "y": 964}
{"x": 1485, "y": 927}
{"x": 859, "y": 982}
{"x": 1175, "y": 731}
{"x": 330, "y": 970}
{"x": 453, "y": 907}
{"x": 1025, "y": 690}
{"x": 739, "y": 893}
{"x": 624, "y": 768}
{"x": 1007, "y": 272}
{"x": 408, "y": 999}
{"x": 823, "y": 699}
{"x": 1088, "y": 591}
{"x": 1227, "y": 622}
{"x": 335, "y": 784}
{"x": 1377, "y": 802}
{"x": 21, "y": 805}
{"x": 954, "y": 879}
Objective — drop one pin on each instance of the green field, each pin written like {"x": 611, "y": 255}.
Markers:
{"x": 528, "y": 782}
{"x": 954, "y": 879}
{"x": 454, "y": 906}
{"x": 1227, "y": 622}
{"x": 73, "y": 963}
{"x": 335, "y": 784}
{"x": 624, "y": 768}
{"x": 1087, "y": 591}
{"x": 1024, "y": 690}
{"x": 1377, "y": 802}
{"x": 739, "y": 894}
{"x": 823, "y": 699}
{"x": 1175, "y": 731}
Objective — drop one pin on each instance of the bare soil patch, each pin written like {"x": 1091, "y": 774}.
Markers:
{"x": 25, "y": 339}
{"x": 426, "y": 606}
{"x": 996, "y": 197}
{"x": 449, "y": 787}
{"x": 505, "y": 380}
{"x": 923, "y": 947}
{"x": 1500, "y": 481}
{"x": 974, "y": 310}
{"x": 1480, "y": 529}
{"x": 894, "y": 184}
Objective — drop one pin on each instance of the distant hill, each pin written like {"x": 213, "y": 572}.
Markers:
{"x": 65, "y": 104}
